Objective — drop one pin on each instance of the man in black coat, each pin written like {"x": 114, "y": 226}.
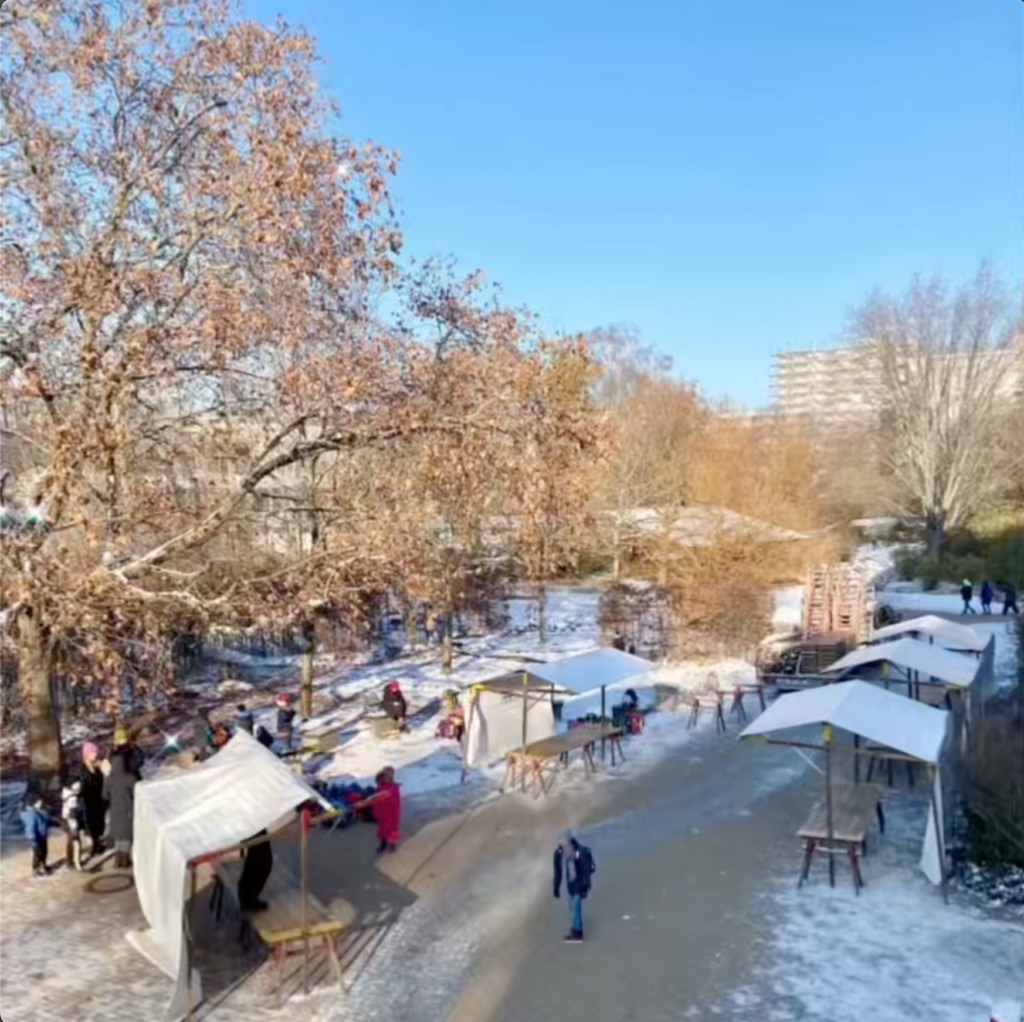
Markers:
{"x": 119, "y": 791}
{"x": 259, "y": 861}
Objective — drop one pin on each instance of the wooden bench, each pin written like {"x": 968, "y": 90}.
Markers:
{"x": 536, "y": 764}
{"x": 280, "y": 925}
{"x": 852, "y": 808}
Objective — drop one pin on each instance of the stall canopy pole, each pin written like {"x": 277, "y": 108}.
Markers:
{"x": 828, "y": 801}
{"x": 940, "y": 842}
{"x": 188, "y": 942}
{"x": 522, "y": 767}
{"x": 602, "y": 722}
{"x": 305, "y": 899}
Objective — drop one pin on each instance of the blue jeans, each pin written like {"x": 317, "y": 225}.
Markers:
{"x": 576, "y": 913}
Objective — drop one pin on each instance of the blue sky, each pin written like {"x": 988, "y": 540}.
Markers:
{"x": 726, "y": 177}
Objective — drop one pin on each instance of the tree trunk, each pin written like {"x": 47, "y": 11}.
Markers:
{"x": 35, "y": 666}
{"x": 447, "y": 650}
{"x": 542, "y": 611}
{"x": 935, "y": 532}
{"x": 308, "y": 653}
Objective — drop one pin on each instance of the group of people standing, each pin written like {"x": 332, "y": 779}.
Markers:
{"x": 99, "y": 804}
{"x": 987, "y": 595}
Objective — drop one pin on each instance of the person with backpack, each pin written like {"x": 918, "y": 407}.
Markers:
{"x": 576, "y": 863}
{"x": 966, "y": 593}
{"x": 987, "y": 593}
{"x": 1010, "y": 599}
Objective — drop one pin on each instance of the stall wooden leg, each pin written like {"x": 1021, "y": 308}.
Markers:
{"x": 720, "y": 716}
{"x": 858, "y": 880}
{"x": 760, "y": 696}
{"x": 831, "y": 868}
{"x": 279, "y": 969}
{"x": 694, "y": 711}
{"x": 808, "y": 855}
{"x": 332, "y": 957}
{"x": 880, "y": 813}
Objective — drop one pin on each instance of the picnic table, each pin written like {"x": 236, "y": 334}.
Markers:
{"x": 852, "y": 808}
{"x": 537, "y": 763}
{"x": 280, "y": 925}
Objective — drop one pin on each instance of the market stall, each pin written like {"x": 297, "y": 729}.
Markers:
{"x": 883, "y": 726}
{"x": 203, "y": 816}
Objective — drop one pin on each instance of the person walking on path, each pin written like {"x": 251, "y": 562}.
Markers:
{"x": 1010, "y": 599}
{"x": 987, "y": 593}
{"x": 966, "y": 592}
{"x": 119, "y": 791}
{"x": 576, "y": 863}
{"x": 93, "y": 801}
{"x": 36, "y": 821}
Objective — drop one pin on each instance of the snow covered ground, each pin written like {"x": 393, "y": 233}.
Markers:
{"x": 894, "y": 953}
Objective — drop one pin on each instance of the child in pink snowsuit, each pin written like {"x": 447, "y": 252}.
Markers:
{"x": 387, "y": 810}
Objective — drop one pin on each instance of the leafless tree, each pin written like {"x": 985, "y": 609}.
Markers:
{"x": 949, "y": 365}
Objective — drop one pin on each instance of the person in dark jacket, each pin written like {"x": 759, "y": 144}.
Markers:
{"x": 1010, "y": 599}
{"x": 987, "y": 593}
{"x": 966, "y": 593}
{"x": 256, "y": 869}
{"x": 93, "y": 801}
{"x": 395, "y": 705}
{"x": 36, "y": 822}
{"x": 244, "y": 719}
{"x": 119, "y": 791}
{"x": 576, "y": 864}
{"x": 285, "y": 719}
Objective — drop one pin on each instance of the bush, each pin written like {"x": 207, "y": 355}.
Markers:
{"x": 916, "y": 564}
{"x": 1006, "y": 559}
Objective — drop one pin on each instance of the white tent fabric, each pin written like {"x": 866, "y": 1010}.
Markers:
{"x": 229, "y": 798}
{"x": 862, "y": 709}
{"x": 496, "y": 724}
{"x": 585, "y": 672}
{"x": 950, "y": 668}
{"x": 949, "y": 633}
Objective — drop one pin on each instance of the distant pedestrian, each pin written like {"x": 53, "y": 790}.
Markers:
{"x": 120, "y": 793}
{"x": 1010, "y": 599}
{"x": 987, "y": 593}
{"x": 93, "y": 801}
{"x": 394, "y": 703}
{"x": 387, "y": 811}
{"x": 36, "y": 821}
{"x": 576, "y": 863}
{"x": 244, "y": 719}
{"x": 285, "y": 719}
{"x": 966, "y": 593}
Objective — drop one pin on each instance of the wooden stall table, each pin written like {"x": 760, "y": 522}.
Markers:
{"x": 852, "y": 808}
{"x": 280, "y": 925}
{"x": 737, "y": 692}
{"x": 714, "y": 702}
{"x": 535, "y": 765}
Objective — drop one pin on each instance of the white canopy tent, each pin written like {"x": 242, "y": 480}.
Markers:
{"x": 897, "y": 725}
{"x": 209, "y": 808}
{"x": 518, "y": 708}
{"x": 942, "y": 666}
{"x": 936, "y": 631}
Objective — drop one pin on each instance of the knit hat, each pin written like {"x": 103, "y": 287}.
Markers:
{"x": 90, "y": 751}
{"x": 967, "y": 581}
